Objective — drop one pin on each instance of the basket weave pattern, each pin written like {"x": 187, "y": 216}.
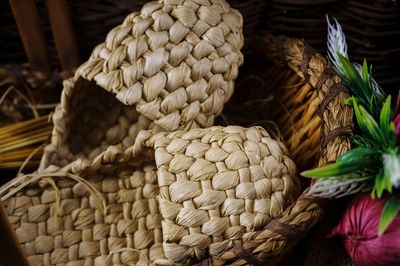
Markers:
{"x": 80, "y": 231}
{"x": 214, "y": 185}
{"x": 318, "y": 115}
{"x": 175, "y": 62}
{"x": 169, "y": 67}
{"x": 133, "y": 235}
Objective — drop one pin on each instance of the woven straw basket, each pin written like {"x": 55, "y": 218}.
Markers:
{"x": 116, "y": 188}
{"x": 294, "y": 91}
{"x": 170, "y": 198}
{"x": 171, "y": 66}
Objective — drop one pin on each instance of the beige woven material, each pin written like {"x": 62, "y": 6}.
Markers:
{"x": 215, "y": 186}
{"x": 116, "y": 244}
{"x": 80, "y": 233}
{"x": 306, "y": 103}
{"x": 170, "y": 66}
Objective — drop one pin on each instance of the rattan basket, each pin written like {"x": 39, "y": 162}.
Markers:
{"x": 163, "y": 69}
{"x": 301, "y": 97}
{"x": 171, "y": 198}
{"x": 56, "y": 35}
{"x": 88, "y": 234}
{"x": 94, "y": 180}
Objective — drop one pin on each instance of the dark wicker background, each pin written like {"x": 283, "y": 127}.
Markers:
{"x": 92, "y": 19}
{"x": 372, "y": 27}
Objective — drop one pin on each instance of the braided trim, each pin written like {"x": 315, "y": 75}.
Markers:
{"x": 307, "y": 55}
{"x": 330, "y": 95}
{"x": 286, "y": 230}
{"x": 333, "y": 134}
{"x": 326, "y": 74}
{"x": 244, "y": 254}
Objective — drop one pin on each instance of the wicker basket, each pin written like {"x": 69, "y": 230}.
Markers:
{"x": 90, "y": 234}
{"x": 370, "y": 26}
{"x": 149, "y": 74}
{"x": 58, "y": 215}
{"x": 170, "y": 198}
{"x": 305, "y": 105}
{"x": 56, "y": 36}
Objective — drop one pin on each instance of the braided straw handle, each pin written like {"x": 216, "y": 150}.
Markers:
{"x": 270, "y": 245}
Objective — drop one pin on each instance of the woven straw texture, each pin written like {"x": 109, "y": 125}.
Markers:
{"x": 305, "y": 101}
{"x": 125, "y": 182}
{"x": 295, "y": 91}
{"x": 214, "y": 185}
{"x": 171, "y": 66}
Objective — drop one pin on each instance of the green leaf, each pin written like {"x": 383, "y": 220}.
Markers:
{"x": 371, "y": 102}
{"x": 353, "y": 79}
{"x": 389, "y": 212}
{"x": 382, "y": 183}
{"x": 362, "y": 141}
{"x": 385, "y": 120}
{"x": 365, "y": 73}
{"x": 386, "y": 113}
{"x": 388, "y": 186}
{"x": 338, "y": 168}
{"x": 373, "y": 193}
{"x": 378, "y": 188}
{"x": 392, "y": 133}
{"x": 367, "y": 123}
{"x": 357, "y": 112}
{"x": 372, "y": 126}
{"x": 357, "y": 154}
{"x": 349, "y": 68}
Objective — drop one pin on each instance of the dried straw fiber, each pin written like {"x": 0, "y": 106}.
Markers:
{"x": 170, "y": 66}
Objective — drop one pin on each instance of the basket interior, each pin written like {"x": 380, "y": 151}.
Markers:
{"x": 96, "y": 120}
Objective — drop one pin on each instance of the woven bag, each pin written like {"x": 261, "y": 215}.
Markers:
{"x": 170, "y": 198}
{"x": 172, "y": 66}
